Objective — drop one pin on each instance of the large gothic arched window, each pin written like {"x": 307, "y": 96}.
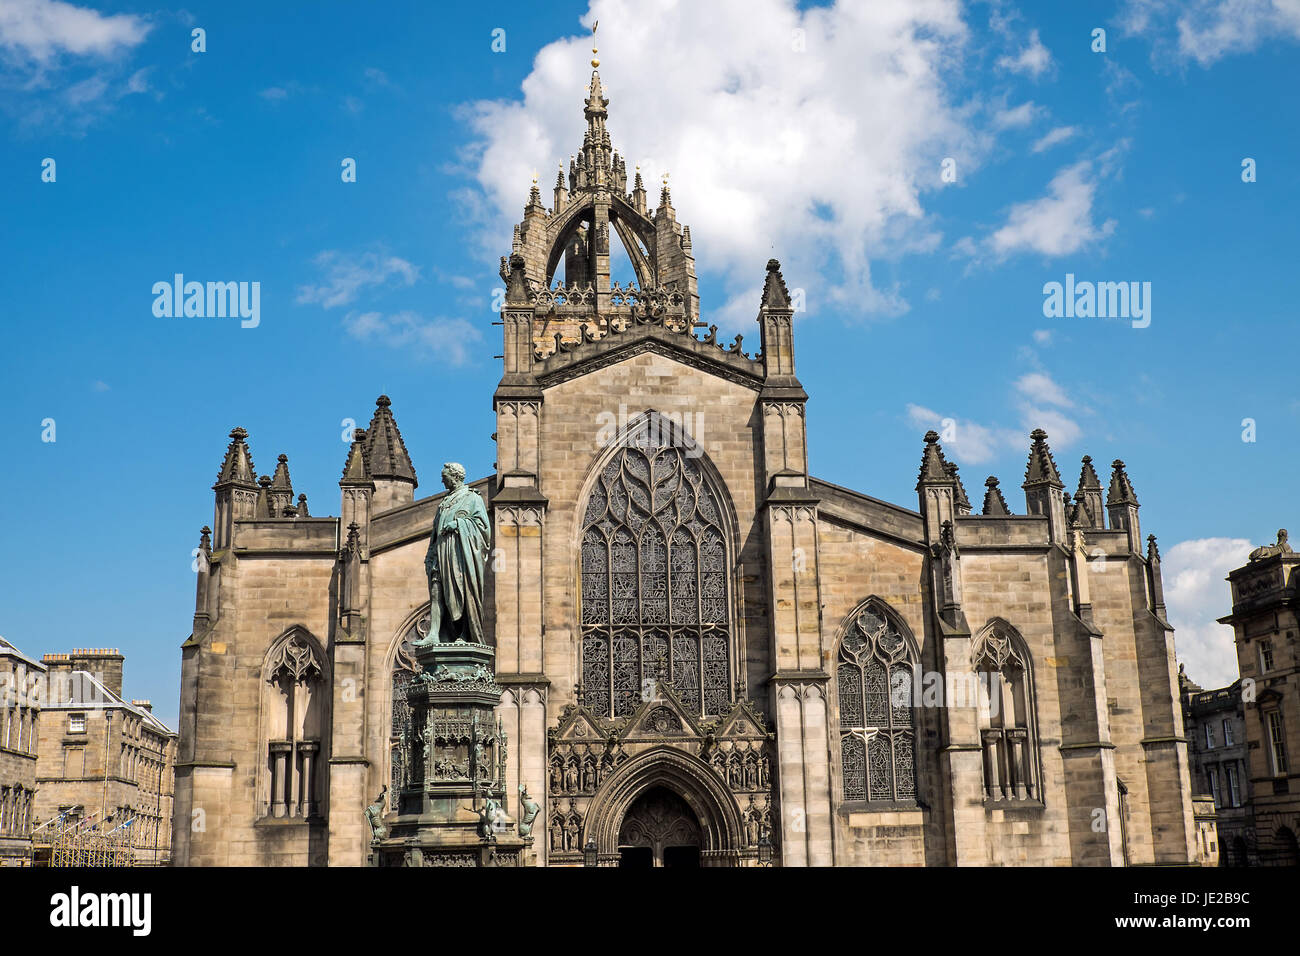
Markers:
{"x": 877, "y": 732}
{"x": 654, "y": 579}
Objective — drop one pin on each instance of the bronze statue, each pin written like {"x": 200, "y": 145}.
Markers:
{"x": 487, "y": 818}
{"x": 530, "y": 809}
{"x": 458, "y": 549}
{"x": 374, "y": 816}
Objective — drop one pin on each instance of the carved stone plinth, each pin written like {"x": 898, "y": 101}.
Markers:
{"x": 452, "y": 809}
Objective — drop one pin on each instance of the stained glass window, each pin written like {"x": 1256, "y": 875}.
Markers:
{"x": 654, "y": 581}
{"x": 877, "y": 732}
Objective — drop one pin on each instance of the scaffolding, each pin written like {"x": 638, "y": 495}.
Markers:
{"x": 81, "y": 842}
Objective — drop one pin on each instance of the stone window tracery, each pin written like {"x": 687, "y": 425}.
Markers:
{"x": 1008, "y": 736}
{"x": 295, "y": 713}
{"x": 654, "y": 580}
{"x": 874, "y": 678}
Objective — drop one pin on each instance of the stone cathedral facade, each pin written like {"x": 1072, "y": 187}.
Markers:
{"x": 705, "y": 654}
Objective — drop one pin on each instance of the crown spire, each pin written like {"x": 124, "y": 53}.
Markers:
{"x": 596, "y": 99}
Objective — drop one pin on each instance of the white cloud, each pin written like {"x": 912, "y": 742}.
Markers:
{"x": 1055, "y": 137}
{"x": 768, "y": 156}
{"x": 1041, "y": 403}
{"x": 348, "y": 274}
{"x": 40, "y": 30}
{"x": 274, "y": 93}
{"x": 447, "y": 340}
{"x": 1042, "y": 336}
{"x": 139, "y": 81}
{"x": 1062, "y": 430}
{"x": 1033, "y": 60}
{"x": 1039, "y": 387}
{"x": 1056, "y": 224}
{"x": 1208, "y": 30}
{"x": 1017, "y": 116}
{"x": 1196, "y": 594}
{"x": 965, "y": 441}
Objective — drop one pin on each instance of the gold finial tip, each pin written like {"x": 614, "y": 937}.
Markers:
{"x": 594, "y": 62}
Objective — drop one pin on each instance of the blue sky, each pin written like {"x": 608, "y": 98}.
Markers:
{"x": 815, "y": 134}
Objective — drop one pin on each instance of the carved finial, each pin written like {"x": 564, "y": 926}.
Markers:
{"x": 1041, "y": 468}
{"x": 594, "y": 61}
{"x": 1121, "y": 488}
{"x": 994, "y": 504}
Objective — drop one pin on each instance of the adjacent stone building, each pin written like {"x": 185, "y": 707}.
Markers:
{"x": 1264, "y": 602}
{"x": 1215, "y": 722}
{"x": 103, "y": 759}
{"x": 707, "y": 654}
{"x": 20, "y": 716}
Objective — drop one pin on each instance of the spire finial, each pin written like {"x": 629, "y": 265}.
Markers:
{"x": 594, "y": 62}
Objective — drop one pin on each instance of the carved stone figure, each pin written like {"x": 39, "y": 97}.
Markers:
{"x": 1268, "y": 550}
{"x": 374, "y": 816}
{"x": 458, "y": 550}
{"x": 529, "y": 808}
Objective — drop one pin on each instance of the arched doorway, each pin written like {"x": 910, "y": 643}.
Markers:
{"x": 659, "y": 829}
{"x": 669, "y": 796}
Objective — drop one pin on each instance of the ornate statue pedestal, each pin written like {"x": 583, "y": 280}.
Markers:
{"x": 453, "y": 807}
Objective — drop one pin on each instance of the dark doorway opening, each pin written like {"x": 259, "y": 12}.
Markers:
{"x": 659, "y": 829}
{"x": 636, "y": 857}
{"x": 684, "y": 856}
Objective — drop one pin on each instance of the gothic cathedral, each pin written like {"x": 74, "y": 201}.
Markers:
{"x": 705, "y": 655}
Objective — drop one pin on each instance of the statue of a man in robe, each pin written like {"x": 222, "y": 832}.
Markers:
{"x": 457, "y": 552}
